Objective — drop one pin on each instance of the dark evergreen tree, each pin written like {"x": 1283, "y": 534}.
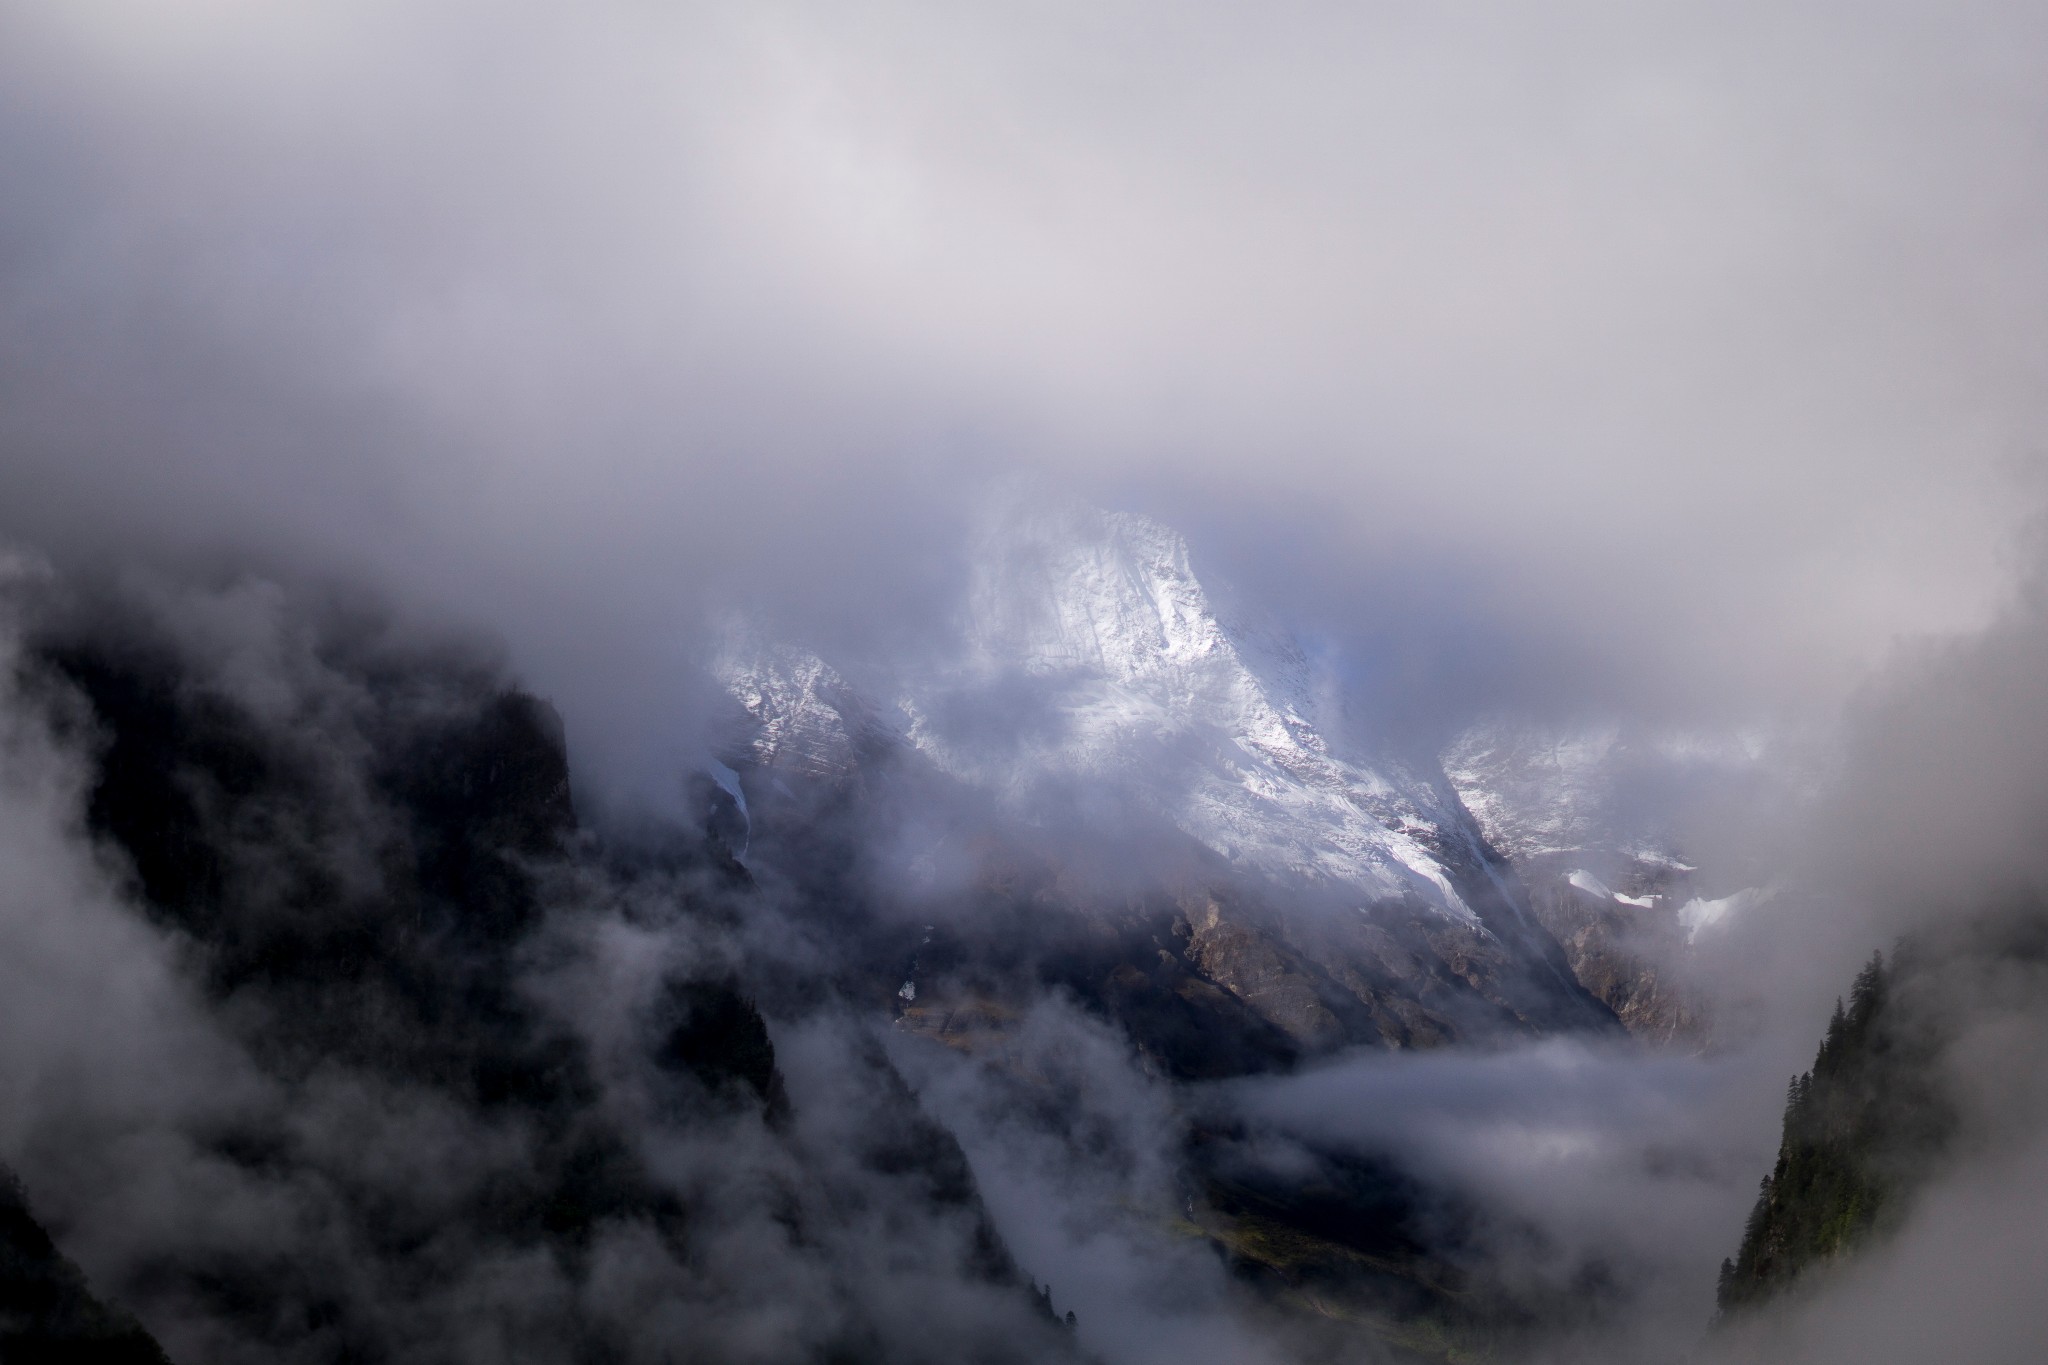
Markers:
{"x": 1860, "y": 1128}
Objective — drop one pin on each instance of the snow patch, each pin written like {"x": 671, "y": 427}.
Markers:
{"x": 728, "y": 782}
{"x": 1698, "y": 914}
{"x": 1591, "y": 885}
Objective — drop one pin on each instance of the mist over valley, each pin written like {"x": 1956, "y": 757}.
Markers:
{"x": 1125, "y": 683}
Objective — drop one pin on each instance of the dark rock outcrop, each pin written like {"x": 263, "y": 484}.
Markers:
{"x": 1627, "y": 957}
{"x": 48, "y": 1314}
{"x": 360, "y": 859}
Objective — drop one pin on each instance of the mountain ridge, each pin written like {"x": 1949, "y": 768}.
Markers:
{"x": 1097, "y": 694}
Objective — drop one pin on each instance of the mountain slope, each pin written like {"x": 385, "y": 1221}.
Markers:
{"x": 1591, "y": 818}
{"x": 1147, "y": 752}
{"x": 1146, "y": 684}
{"x": 457, "y": 1083}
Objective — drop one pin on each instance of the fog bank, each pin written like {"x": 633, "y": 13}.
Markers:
{"x": 1670, "y": 361}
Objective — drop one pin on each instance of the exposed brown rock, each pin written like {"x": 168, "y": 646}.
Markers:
{"x": 1627, "y": 956}
{"x": 1244, "y": 962}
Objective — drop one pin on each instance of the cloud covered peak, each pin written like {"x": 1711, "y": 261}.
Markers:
{"x": 1092, "y": 665}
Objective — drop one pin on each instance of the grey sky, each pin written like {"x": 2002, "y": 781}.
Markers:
{"x": 1682, "y": 355}
{"x": 1660, "y": 359}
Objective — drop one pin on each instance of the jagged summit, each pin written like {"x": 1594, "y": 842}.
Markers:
{"x": 1156, "y": 781}
{"x": 1089, "y": 652}
{"x": 804, "y": 717}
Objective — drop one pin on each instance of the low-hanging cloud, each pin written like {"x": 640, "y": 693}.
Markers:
{"x": 282, "y": 1097}
{"x": 1673, "y": 360}
{"x": 1578, "y": 361}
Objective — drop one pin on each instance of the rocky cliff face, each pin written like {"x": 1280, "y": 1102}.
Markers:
{"x": 1589, "y": 816}
{"x": 1628, "y": 955}
{"x": 1168, "y": 767}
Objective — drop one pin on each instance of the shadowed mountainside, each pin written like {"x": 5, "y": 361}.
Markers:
{"x": 48, "y": 1315}
{"x": 367, "y": 863}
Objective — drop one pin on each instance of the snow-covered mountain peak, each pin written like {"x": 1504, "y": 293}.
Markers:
{"x": 1079, "y": 588}
{"x": 1092, "y": 653}
{"x": 1077, "y": 593}
{"x": 807, "y": 719}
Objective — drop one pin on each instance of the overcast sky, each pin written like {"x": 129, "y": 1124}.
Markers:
{"x": 1664, "y": 357}
{"x": 1662, "y": 360}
